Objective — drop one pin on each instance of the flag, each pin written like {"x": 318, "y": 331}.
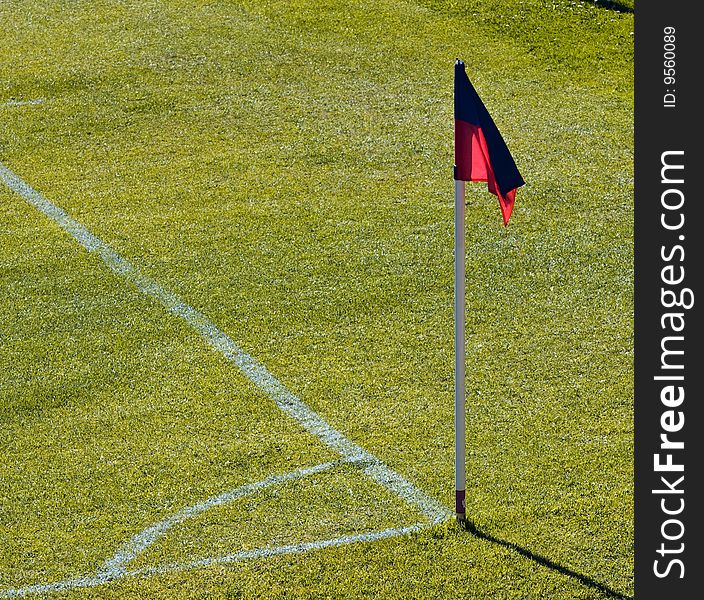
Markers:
{"x": 480, "y": 152}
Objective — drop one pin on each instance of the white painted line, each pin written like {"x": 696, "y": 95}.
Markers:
{"x": 257, "y": 373}
{"x": 140, "y": 542}
{"x": 30, "y": 102}
{"x": 58, "y": 586}
{"x": 372, "y": 536}
{"x": 102, "y": 579}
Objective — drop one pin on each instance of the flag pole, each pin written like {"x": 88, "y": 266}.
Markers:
{"x": 460, "y": 479}
{"x": 480, "y": 155}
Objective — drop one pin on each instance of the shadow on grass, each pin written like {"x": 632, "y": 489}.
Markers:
{"x": 614, "y": 5}
{"x": 542, "y": 561}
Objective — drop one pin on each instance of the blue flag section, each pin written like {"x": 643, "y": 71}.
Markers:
{"x": 480, "y": 152}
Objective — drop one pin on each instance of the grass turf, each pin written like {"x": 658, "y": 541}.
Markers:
{"x": 285, "y": 168}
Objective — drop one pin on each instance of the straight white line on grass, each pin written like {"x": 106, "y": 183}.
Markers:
{"x": 264, "y": 380}
{"x": 140, "y": 542}
{"x": 104, "y": 578}
{"x": 31, "y": 102}
{"x": 373, "y": 536}
{"x": 256, "y": 372}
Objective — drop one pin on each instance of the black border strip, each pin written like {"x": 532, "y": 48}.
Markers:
{"x": 659, "y": 128}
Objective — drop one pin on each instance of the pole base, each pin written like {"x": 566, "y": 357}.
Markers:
{"x": 460, "y": 508}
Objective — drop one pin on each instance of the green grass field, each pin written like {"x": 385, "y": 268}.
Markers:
{"x": 285, "y": 168}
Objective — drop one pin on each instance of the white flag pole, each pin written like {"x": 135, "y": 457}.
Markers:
{"x": 460, "y": 480}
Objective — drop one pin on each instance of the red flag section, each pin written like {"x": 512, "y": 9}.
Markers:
{"x": 480, "y": 152}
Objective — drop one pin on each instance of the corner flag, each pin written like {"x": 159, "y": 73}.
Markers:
{"x": 480, "y": 155}
{"x": 480, "y": 152}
